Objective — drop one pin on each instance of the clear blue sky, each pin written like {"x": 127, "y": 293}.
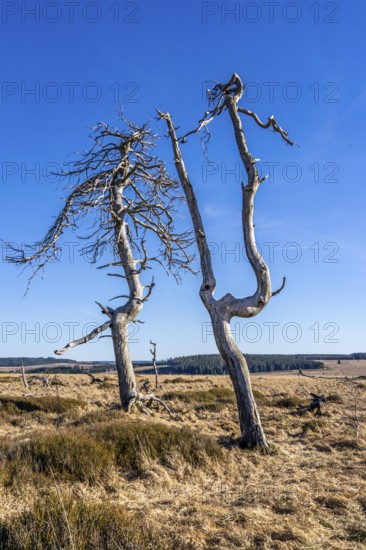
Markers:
{"x": 66, "y": 67}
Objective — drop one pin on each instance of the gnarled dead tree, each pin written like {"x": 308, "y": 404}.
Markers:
{"x": 131, "y": 196}
{"x": 225, "y": 97}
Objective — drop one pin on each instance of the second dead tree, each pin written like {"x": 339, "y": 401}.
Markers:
{"x": 225, "y": 98}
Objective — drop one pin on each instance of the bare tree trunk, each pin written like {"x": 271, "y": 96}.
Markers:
{"x": 252, "y": 434}
{"x": 126, "y": 375}
{"x": 123, "y": 315}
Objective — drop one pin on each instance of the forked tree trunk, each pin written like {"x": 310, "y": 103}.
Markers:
{"x": 224, "y": 309}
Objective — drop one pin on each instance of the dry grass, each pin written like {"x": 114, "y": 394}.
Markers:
{"x": 103, "y": 479}
{"x": 61, "y": 521}
{"x": 356, "y": 367}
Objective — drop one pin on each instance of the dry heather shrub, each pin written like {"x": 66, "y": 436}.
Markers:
{"x": 89, "y": 454}
{"x": 288, "y": 402}
{"x": 313, "y": 425}
{"x": 182, "y": 380}
{"x": 106, "y": 385}
{"x": 223, "y": 395}
{"x": 67, "y": 456}
{"x": 47, "y": 404}
{"x": 259, "y": 396}
{"x": 357, "y": 533}
{"x": 346, "y": 444}
{"x": 7, "y": 379}
{"x": 70, "y": 524}
{"x": 97, "y": 416}
{"x": 213, "y": 400}
{"x": 134, "y": 442}
{"x": 334, "y": 398}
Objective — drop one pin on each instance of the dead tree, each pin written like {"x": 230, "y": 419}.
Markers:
{"x": 226, "y": 97}
{"x": 24, "y": 378}
{"x": 126, "y": 194}
{"x": 153, "y": 353}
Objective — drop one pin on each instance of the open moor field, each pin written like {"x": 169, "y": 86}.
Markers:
{"x": 78, "y": 473}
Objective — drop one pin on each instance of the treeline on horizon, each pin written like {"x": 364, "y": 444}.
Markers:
{"x": 214, "y": 364}
{"x": 30, "y": 361}
{"x": 189, "y": 364}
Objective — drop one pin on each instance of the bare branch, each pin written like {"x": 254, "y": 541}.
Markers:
{"x": 120, "y": 296}
{"x": 209, "y": 283}
{"x": 151, "y": 398}
{"x": 106, "y": 310}
{"x": 121, "y": 183}
{"x": 84, "y": 339}
{"x": 280, "y": 289}
{"x": 150, "y": 288}
{"x": 271, "y": 122}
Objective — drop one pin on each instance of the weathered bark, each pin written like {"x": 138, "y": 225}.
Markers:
{"x": 222, "y": 310}
{"x": 122, "y": 316}
{"x": 126, "y": 375}
{"x": 252, "y": 434}
{"x": 153, "y": 353}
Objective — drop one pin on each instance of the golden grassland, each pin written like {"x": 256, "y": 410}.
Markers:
{"x": 78, "y": 473}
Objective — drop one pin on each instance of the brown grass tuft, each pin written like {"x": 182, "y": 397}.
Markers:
{"x": 47, "y": 404}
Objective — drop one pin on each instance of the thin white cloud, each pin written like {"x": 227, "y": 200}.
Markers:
{"x": 360, "y": 101}
{"x": 213, "y": 211}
